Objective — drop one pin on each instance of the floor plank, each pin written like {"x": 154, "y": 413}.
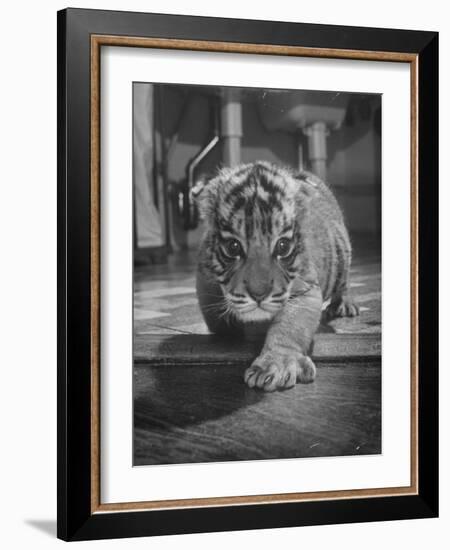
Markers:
{"x": 208, "y": 349}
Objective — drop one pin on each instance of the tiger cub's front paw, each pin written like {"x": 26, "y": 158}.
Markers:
{"x": 277, "y": 371}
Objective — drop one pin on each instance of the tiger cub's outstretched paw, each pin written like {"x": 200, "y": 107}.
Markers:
{"x": 278, "y": 371}
{"x": 342, "y": 307}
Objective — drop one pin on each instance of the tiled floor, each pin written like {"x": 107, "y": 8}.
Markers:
{"x": 190, "y": 402}
{"x": 165, "y": 301}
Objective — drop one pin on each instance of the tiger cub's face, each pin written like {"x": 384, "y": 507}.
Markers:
{"x": 253, "y": 240}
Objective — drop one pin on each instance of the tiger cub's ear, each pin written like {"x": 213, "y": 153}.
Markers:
{"x": 306, "y": 191}
{"x": 204, "y": 193}
{"x": 308, "y": 184}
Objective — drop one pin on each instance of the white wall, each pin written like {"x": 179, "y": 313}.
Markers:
{"x": 28, "y": 272}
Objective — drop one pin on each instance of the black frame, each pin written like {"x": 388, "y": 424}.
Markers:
{"x": 75, "y": 521}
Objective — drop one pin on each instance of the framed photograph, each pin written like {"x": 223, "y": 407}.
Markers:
{"x": 247, "y": 256}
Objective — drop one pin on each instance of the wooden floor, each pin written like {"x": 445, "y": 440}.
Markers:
{"x": 190, "y": 402}
{"x": 202, "y": 414}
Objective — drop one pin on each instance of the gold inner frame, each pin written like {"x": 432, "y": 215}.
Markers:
{"x": 97, "y": 41}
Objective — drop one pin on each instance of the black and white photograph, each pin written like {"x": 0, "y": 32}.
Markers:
{"x": 223, "y": 286}
{"x": 257, "y": 319}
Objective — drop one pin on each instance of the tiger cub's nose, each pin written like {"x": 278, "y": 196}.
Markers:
{"x": 258, "y": 291}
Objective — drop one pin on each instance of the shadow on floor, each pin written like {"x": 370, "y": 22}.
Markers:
{"x": 46, "y": 526}
{"x": 185, "y": 395}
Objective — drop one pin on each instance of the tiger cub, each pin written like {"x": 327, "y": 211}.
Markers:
{"x": 275, "y": 248}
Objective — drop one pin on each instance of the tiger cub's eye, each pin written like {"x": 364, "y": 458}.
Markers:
{"x": 283, "y": 247}
{"x": 233, "y": 248}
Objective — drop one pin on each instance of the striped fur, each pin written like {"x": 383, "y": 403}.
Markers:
{"x": 275, "y": 247}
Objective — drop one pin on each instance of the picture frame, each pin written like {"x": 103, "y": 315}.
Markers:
{"x": 81, "y": 36}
